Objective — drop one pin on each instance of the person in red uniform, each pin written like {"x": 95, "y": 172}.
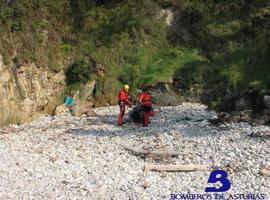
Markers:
{"x": 123, "y": 101}
{"x": 146, "y": 100}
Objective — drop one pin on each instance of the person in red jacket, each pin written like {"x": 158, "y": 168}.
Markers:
{"x": 123, "y": 101}
{"x": 146, "y": 100}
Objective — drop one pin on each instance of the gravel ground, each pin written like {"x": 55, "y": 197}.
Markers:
{"x": 80, "y": 158}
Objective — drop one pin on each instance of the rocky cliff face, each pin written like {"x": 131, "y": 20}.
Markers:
{"x": 27, "y": 90}
{"x": 174, "y": 20}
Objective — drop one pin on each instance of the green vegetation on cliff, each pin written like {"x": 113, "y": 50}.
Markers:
{"x": 227, "y": 52}
{"x": 234, "y": 36}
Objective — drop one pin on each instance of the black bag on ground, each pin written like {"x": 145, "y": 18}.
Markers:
{"x": 136, "y": 114}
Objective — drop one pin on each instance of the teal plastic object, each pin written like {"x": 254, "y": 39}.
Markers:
{"x": 69, "y": 101}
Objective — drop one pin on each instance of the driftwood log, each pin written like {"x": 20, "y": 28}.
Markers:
{"x": 262, "y": 134}
{"x": 4, "y": 132}
{"x": 175, "y": 168}
{"x": 149, "y": 152}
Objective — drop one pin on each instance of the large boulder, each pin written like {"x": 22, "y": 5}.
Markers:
{"x": 84, "y": 101}
{"x": 164, "y": 99}
{"x": 62, "y": 110}
{"x": 243, "y": 103}
{"x": 82, "y": 108}
{"x": 163, "y": 94}
{"x": 266, "y": 101}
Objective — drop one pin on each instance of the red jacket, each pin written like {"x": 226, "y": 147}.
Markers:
{"x": 145, "y": 98}
{"x": 123, "y": 96}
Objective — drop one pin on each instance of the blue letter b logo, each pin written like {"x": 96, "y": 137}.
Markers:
{"x": 218, "y": 176}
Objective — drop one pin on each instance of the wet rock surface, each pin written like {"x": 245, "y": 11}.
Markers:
{"x": 80, "y": 158}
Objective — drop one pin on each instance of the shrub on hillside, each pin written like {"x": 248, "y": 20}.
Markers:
{"x": 79, "y": 72}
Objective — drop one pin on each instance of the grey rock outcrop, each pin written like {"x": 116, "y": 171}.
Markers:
{"x": 266, "y": 101}
{"x": 243, "y": 104}
{"x": 84, "y": 103}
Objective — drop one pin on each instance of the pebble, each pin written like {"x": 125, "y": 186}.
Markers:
{"x": 67, "y": 157}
